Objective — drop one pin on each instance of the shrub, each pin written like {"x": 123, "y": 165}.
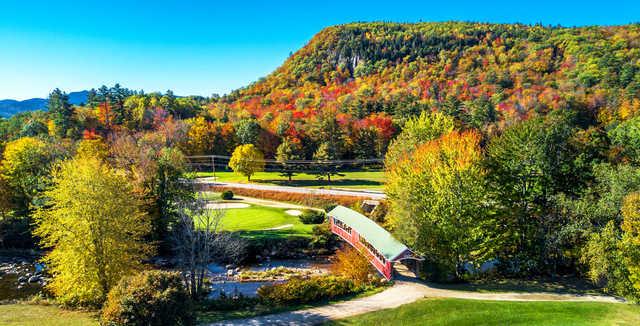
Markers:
{"x": 225, "y": 302}
{"x": 350, "y": 263}
{"x": 310, "y": 216}
{"x": 149, "y": 298}
{"x": 227, "y": 195}
{"x": 328, "y": 208}
{"x": 322, "y": 238}
{"x": 298, "y": 290}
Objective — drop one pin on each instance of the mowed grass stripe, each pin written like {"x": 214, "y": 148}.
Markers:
{"x": 482, "y": 312}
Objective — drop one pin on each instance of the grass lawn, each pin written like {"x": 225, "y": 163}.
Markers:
{"x": 373, "y": 180}
{"x": 479, "y": 312}
{"x": 40, "y": 315}
{"x": 253, "y": 222}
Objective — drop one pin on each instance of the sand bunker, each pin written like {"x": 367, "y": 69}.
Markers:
{"x": 293, "y": 212}
{"x": 286, "y": 226}
{"x": 226, "y": 205}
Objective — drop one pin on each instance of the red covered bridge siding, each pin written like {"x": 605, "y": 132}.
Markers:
{"x": 379, "y": 245}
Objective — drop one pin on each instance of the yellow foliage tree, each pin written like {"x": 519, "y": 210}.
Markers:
{"x": 94, "y": 225}
{"x": 631, "y": 238}
{"x": 92, "y": 148}
{"x": 25, "y": 165}
{"x": 200, "y": 137}
{"x": 352, "y": 264}
{"x": 247, "y": 160}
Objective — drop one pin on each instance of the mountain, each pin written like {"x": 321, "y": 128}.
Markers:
{"x": 486, "y": 75}
{"x": 11, "y": 107}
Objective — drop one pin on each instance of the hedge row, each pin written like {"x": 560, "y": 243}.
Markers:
{"x": 313, "y": 289}
{"x": 293, "y": 197}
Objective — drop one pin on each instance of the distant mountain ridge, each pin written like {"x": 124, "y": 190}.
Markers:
{"x": 10, "y": 107}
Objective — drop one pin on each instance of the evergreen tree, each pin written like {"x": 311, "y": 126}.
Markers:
{"x": 61, "y": 112}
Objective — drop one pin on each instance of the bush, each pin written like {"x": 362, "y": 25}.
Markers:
{"x": 227, "y": 195}
{"x": 226, "y": 302}
{"x": 149, "y": 298}
{"x": 310, "y": 216}
{"x": 322, "y": 239}
{"x": 298, "y": 290}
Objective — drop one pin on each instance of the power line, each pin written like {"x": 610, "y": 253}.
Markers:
{"x": 318, "y": 162}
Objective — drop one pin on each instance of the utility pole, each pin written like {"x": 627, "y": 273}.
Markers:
{"x": 213, "y": 165}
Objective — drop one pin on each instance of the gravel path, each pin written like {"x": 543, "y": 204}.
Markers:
{"x": 405, "y": 290}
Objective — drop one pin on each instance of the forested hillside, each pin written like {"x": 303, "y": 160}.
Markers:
{"x": 487, "y": 76}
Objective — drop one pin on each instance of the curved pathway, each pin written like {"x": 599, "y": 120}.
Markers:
{"x": 405, "y": 290}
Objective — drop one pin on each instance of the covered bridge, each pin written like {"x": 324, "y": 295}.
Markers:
{"x": 362, "y": 233}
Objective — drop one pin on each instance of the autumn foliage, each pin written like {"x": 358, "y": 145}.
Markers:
{"x": 351, "y": 264}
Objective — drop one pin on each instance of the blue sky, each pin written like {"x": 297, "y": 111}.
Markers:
{"x": 205, "y": 47}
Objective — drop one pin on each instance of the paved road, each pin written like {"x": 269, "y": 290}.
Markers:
{"x": 302, "y": 190}
{"x": 405, "y": 290}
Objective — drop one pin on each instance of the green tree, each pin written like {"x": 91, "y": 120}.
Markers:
{"x": 288, "y": 150}
{"x": 61, "y": 112}
{"x": 530, "y": 163}
{"x": 328, "y": 133}
{"x": 367, "y": 143}
{"x": 94, "y": 227}
{"x": 626, "y": 136}
{"x": 324, "y": 167}
{"x": 481, "y": 112}
{"x": 247, "y": 131}
{"x": 247, "y": 160}
{"x": 169, "y": 189}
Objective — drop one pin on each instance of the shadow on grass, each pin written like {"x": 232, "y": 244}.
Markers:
{"x": 321, "y": 183}
{"x": 272, "y": 234}
{"x": 558, "y": 285}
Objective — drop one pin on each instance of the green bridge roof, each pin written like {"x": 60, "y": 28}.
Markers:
{"x": 378, "y": 237}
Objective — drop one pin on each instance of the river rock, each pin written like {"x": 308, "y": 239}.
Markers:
{"x": 34, "y": 279}
{"x": 22, "y": 279}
